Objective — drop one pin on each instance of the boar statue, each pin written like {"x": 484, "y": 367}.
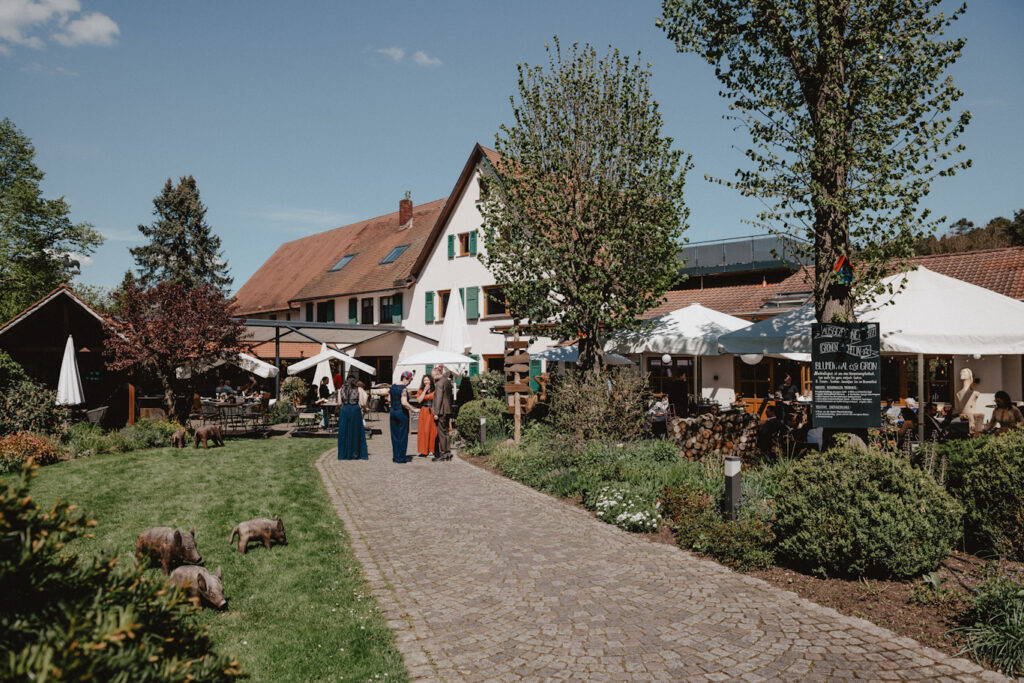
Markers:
{"x": 170, "y": 546}
{"x": 179, "y": 439}
{"x": 259, "y": 529}
{"x": 199, "y": 584}
{"x": 209, "y": 433}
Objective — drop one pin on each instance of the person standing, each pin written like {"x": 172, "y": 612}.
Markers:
{"x": 442, "y": 406}
{"x": 351, "y": 434}
{"x": 324, "y": 393}
{"x": 427, "y": 430}
{"x": 400, "y": 410}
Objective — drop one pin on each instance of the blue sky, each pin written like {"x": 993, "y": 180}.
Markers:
{"x": 299, "y": 117}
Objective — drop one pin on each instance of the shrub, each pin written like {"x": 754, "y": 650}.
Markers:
{"x": 30, "y": 407}
{"x": 850, "y": 512}
{"x": 142, "y": 434}
{"x": 987, "y": 477}
{"x": 11, "y": 373}
{"x": 280, "y": 412}
{"x": 468, "y": 420}
{"x": 624, "y": 506}
{"x": 71, "y": 619}
{"x": 16, "y": 449}
{"x": 994, "y": 623}
{"x": 489, "y": 384}
{"x": 294, "y": 388}
{"x": 85, "y": 439}
{"x": 584, "y": 407}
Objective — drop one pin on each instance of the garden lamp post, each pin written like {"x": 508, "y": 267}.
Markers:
{"x": 731, "y": 503}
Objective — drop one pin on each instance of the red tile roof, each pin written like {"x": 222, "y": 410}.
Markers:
{"x": 298, "y": 269}
{"x": 1001, "y": 270}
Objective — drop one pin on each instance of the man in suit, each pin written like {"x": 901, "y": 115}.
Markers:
{"x": 442, "y": 409}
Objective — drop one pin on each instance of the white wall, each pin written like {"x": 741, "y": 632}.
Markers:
{"x": 723, "y": 389}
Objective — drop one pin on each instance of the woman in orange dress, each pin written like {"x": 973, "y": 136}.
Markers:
{"x": 426, "y": 429}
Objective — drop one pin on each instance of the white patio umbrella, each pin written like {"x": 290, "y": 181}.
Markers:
{"x": 571, "y": 354}
{"x": 436, "y": 357}
{"x": 243, "y": 360}
{"x": 69, "y": 386}
{"x": 690, "y": 331}
{"x": 330, "y": 354}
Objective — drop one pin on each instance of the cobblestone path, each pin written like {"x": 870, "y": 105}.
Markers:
{"x": 483, "y": 579}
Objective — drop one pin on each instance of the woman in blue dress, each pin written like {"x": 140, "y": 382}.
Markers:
{"x": 399, "y": 414}
{"x": 351, "y": 433}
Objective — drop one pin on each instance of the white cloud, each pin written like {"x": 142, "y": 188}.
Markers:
{"x": 396, "y": 53}
{"x": 115, "y": 235}
{"x": 423, "y": 59}
{"x": 21, "y": 20}
{"x": 91, "y": 29}
{"x": 37, "y": 68}
{"x": 306, "y": 221}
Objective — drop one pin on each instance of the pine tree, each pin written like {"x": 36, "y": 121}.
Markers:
{"x": 182, "y": 248}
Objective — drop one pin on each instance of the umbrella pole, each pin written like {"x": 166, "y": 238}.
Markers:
{"x": 920, "y": 397}
{"x": 277, "y": 362}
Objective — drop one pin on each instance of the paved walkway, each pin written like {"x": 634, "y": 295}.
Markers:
{"x": 485, "y": 579}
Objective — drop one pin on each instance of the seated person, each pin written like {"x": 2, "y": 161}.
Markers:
{"x": 658, "y": 414}
{"x": 890, "y": 412}
{"x": 934, "y": 427}
{"x": 252, "y": 387}
{"x": 786, "y": 391}
{"x": 1006, "y": 415}
{"x": 769, "y": 430}
{"x": 909, "y": 418}
{"x": 226, "y": 388}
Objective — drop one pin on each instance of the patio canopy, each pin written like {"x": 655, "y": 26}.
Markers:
{"x": 243, "y": 360}
{"x": 690, "y": 331}
{"x": 436, "y": 357}
{"x": 933, "y": 314}
{"x": 571, "y": 354}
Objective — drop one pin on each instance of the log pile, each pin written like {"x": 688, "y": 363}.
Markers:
{"x": 732, "y": 434}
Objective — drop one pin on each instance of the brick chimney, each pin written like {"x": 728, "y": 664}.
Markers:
{"x": 405, "y": 210}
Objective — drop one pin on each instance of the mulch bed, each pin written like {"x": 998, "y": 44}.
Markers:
{"x": 889, "y": 604}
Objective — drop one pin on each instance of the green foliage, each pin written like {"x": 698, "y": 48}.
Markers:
{"x": 294, "y": 388}
{"x": 39, "y": 245}
{"x": 280, "y": 412}
{"x": 624, "y": 506}
{"x": 30, "y": 407}
{"x": 583, "y": 214}
{"x": 857, "y": 513}
{"x": 489, "y": 384}
{"x": 848, "y": 108}
{"x": 994, "y": 623}
{"x": 467, "y": 422}
{"x": 584, "y": 408}
{"x": 987, "y": 476}
{"x": 70, "y": 618}
{"x": 182, "y": 248}
{"x": 11, "y": 373}
{"x": 16, "y": 449}
{"x": 86, "y": 439}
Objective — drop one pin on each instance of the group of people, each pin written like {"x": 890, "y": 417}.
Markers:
{"x": 435, "y": 418}
{"x": 251, "y": 388}
{"x": 942, "y": 426}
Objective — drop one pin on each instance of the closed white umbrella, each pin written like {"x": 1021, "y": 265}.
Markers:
{"x": 69, "y": 386}
{"x": 454, "y": 330}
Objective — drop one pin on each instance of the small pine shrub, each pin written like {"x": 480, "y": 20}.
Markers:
{"x": 849, "y": 512}
{"x": 16, "y": 449}
{"x": 987, "y": 477}
{"x": 30, "y": 407}
{"x": 993, "y": 628}
{"x": 468, "y": 420}
{"x": 65, "y": 618}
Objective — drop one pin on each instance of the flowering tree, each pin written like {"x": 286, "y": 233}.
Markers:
{"x": 156, "y": 331}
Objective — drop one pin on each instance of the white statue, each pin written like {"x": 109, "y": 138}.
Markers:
{"x": 966, "y": 401}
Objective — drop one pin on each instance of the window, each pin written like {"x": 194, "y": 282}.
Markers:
{"x": 442, "y": 303}
{"x": 938, "y": 378}
{"x": 464, "y": 244}
{"x": 494, "y": 302}
{"x": 341, "y": 264}
{"x": 673, "y": 378}
{"x": 325, "y": 312}
{"x": 309, "y": 311}
{"x": 495, "y": 363}
{"x": 467, "y": 244}
{"x": 385, "y": 309}
{"x": 761, "y": 380}
{"x": 288, "y": 316}
{"x": 367, "y": 317}
{"x": 393, "y": 254}
{"x": 272, "y": 316}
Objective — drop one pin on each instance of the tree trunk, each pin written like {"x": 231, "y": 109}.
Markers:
{"x": 591, "y": 355}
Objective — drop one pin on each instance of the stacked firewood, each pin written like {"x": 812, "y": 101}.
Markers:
{"x": 730, "y": 434}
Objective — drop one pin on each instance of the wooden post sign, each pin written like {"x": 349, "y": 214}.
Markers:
{"x": 517, "y": 380}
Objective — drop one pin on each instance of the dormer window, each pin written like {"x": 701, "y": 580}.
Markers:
{"x": 341, "y": 264}
{"x": 394, "y": 254}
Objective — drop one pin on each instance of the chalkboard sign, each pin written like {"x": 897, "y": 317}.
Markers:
{"x": 846, "y": 374}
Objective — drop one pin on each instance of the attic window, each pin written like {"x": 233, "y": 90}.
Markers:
{"x": 342, "y": 263}
{"x": 394, "y": 254}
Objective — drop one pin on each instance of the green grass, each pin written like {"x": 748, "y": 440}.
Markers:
{"x": 298, "y": 612}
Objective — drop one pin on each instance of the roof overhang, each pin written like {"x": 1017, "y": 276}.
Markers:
{"x": 62, "y": 290}
{"x": 341, "y": 335}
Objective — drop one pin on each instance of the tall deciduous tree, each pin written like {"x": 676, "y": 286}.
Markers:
{"x": 156, "y": 331}
{"x": 182, "y": 248}
{"x": 583, "y": 221}
{"x": 848, "y": 106}
{"x": 39, "y": 245}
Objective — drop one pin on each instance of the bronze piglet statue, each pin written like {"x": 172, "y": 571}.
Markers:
{"x": 201, "y": 585}
{"x": 209, "y": 433}
{"x": 168, "y": 545}
{"x": 259, "y": 529}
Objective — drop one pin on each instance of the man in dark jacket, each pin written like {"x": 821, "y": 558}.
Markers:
{"x": 442, "y": 409}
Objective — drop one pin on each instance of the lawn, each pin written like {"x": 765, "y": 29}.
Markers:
{"x": 295, "y": 613}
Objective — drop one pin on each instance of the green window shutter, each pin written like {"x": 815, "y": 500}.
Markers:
{"x": 429, "y": 299}
{"x": 428, "y": 369}
{"x": 534, "y": 371}
{"x": 472, "y": 243}
{"x": 451, "y": 246}
{"x": 472, "y": 303}
{"x": 474, "y": 367}
{"x": 396, "y": 308}
{"x": 462, "y": 297}
{"x": 353, "y": 311}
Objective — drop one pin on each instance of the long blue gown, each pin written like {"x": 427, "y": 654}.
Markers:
{"x": 399, "y": 425}
{"x": 351, "y": 433}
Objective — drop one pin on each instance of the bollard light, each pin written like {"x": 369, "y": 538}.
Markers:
{"x": 731, "y": 502}
{"x": 483, "y": 431}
